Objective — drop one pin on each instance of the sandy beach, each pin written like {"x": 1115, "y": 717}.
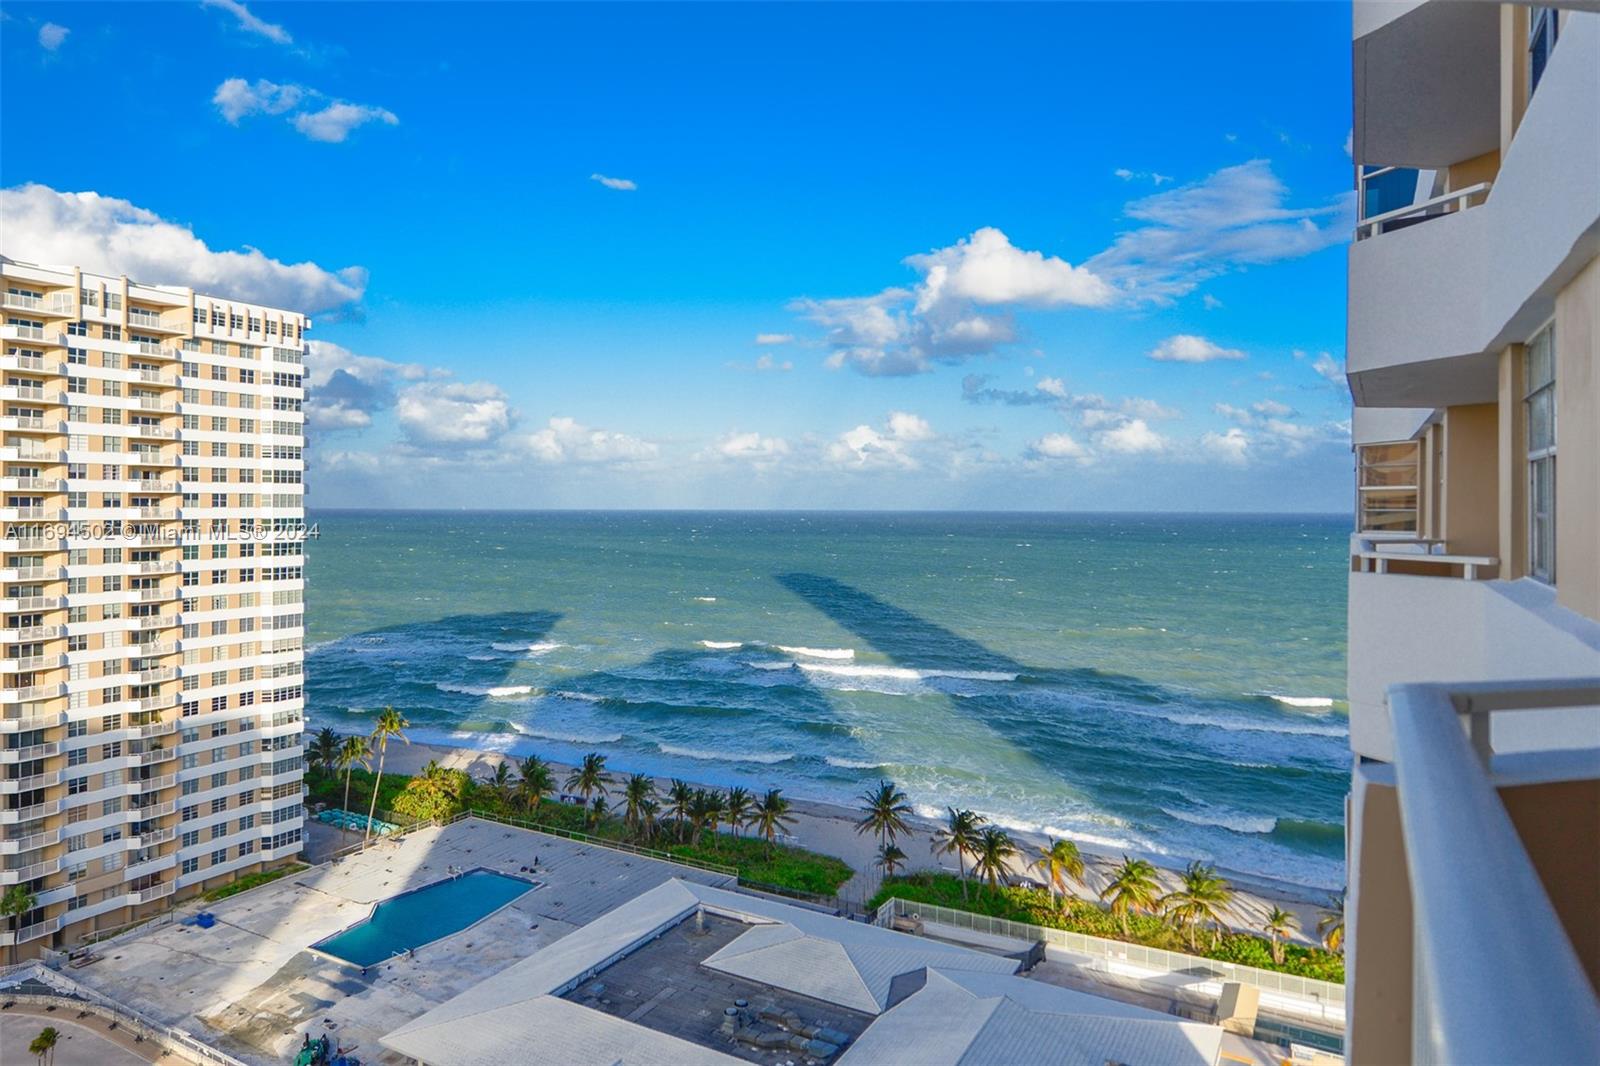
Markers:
{"x": 830, "y": 828}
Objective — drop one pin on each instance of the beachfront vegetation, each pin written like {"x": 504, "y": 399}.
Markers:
{"x": 1278, "y": 926}
{"x": 391, "y": 723}
{"x": 43, "y": 1046}
{"x": 684, "y": 821}
{"x": 1330, "y": 923}
{"x": 883, "y": 812}
{"x": 17, "y": 901}
{"x": 958, "y": 836}
{"x": 248, "y": 881}
{"x": 1142, "y": 925}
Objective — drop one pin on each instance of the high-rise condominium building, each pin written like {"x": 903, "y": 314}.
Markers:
{"x": 152, "y": 614}
{"x": 1474, "y": 654}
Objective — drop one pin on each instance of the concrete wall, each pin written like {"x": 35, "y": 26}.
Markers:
{"x": 1378, "y": 963}
{"x": 1470, "y": 497}
{"x": 1560, "y": 825}
{"x": 1578, "y": 443}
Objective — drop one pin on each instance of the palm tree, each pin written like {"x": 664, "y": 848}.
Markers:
{"x": 1059, "y": 860}
{"x": 890, "y": 859}
{"x": 884, "y": 811}
{"x": 44, "y": 1044}
{"x": 736, "y": 808}
{"x": 500, "y": 782}
{"x": 353, "y": 752}
{"x": 1199, "y": 899}
{"x": 995, "y": 848}
{"x": 324, "y": 751}
{"x": 534, "y": 783}
{"x": 391, "y": 723}
{"x": 680, "y": 797}
{"x": 639, "y": 790}
{"x": 597, "y": 809}
{"x": 14, "y": 904}
{"x": 1279, "y": 924}
{"x": 1132, "y": 889}
{"x": 589, "y": 778}
{"x": 704, "y": 808}
{"x": 1330, "y": 923}
{"x": 772, "y": 816}
{"x": 959, "y": 837}
{"x": 647, "y": 817}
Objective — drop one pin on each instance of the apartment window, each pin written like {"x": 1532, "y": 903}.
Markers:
{"x": 1544, "y": 26}
{"x": 1540, "y": 404}
{"x": 1386, "y": 487}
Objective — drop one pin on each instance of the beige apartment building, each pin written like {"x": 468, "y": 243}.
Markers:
{"x": 151, "y": 614}
{"x": 1473, "y": 843}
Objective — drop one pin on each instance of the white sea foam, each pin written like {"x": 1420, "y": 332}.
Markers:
{"x": 765, "y": 757}
{"x": 474, "y": 690}
{"x": 483, "y": 658}
{"x": 1237, "y": 726}
{"x": 903, "y": 673}
{"x": 541, "y": 647}
{"x": 818, "y": 653}
{"x": 1224, "y": 819}
{"x": 582, "y": 697}
{"x": 1298, "y": 701}
{"x": 854, "y": 764}
{"x": 568, "y": 738}
{"x": 705, "y": 599}
{"x": 721, "y": 645}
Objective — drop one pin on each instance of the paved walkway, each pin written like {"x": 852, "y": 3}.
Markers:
{"x": 82, "y": 1042}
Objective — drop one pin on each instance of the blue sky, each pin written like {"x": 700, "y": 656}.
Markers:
{"x": 1077, "y": 256}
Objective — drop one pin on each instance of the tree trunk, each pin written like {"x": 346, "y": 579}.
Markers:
{"x": 343, "y": 826}
{"x": 372, "y": 812}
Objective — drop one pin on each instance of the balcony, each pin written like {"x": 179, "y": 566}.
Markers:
{"x": 155, "y": 784}
{"x": 29, "y": 873}
{"x": 15, "y": 845}
{"x": 158, "y": 703}
{"x": 157, "y": 755}
{"x": 28, "y": 784}
{"x": 153, "y": 322}
{"x": 1505, "y": 954}
{"x": 33, "y": 484}
{"x": 13, "y": 332}
{"x": 28, "y": 722}
{"x": 28, "y": 754}
{"x": 30, "y": 932}
{"x": 30, "y": 633}
{"x": 1419, "y": 555}
{"x": 31, "y": 424}
{"x": 157, "y": 729}
{"x": 158, "y": 891}
{"x": 152, "y": 432}
{"x": 31, "y": 693}
{"x": 16, "y": 604}
{"x": 32, "y": 573}
{"x": 1439, "y": 287}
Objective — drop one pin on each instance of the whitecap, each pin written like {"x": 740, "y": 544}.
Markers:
{"x": 483, "y": 658}
{"x": 1224, "y": 819}
{"x": 705, "y": 599}
{"x": 904, "y": 673}
{"x": 473, "y": 690}
{"x": 1298, "y": 701}
{"x": 855, "y": 764}
{"x": 583, "y": 697}
{"x": 768, "y": 757}
{"x": 818, "y": 653}
{"x": 721, "y": 645}
{"x": 568, "y": 738}
{"x": 1237, "y": 726}
{"x": 537, "y": 648}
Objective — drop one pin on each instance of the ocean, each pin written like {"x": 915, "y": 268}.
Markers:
{"x": 1171, "y": 685}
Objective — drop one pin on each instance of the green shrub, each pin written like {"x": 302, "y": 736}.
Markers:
{"x": 248, "y": 881}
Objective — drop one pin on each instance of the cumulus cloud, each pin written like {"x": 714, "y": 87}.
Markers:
{"x": 620, "y": 184}
{"x": 1231, "y": 447}
{"x": 453, "y": 414}
{"x": 891, "y": 445}
{"x": 1329, "y": 367}
{"x": 774, "y": 338}
{"x": 112, "y": 236}
{"x": 753, "y": 448}
{"x": 1132, "y": 437}
{"x": 1238, "y": 216}
{"x": 1188, "y": 348}
{"x": 333, "y": 123}
{"x": 1058, "y": 446}
{"x": 249, "y": 22}
{"x": 763, "y": 364}
{"x": 345, "y": 389}
{"x": 52, "y": 36}
{"x": 311, "y": 113}
{"x": 1143, "y": 175}
{"x": 565, "y": 440}
{"x": 959, "y": 309}
{"x": 1266, "y": 429}
{"x": 1210, "y": 302}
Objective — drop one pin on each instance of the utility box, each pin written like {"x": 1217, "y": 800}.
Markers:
{"x": 1237, "y": 1006}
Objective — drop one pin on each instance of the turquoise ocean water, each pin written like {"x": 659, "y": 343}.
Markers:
{"x": 1172, "y": 685}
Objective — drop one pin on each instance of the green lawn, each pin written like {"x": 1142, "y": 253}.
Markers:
{"x": 1036, "y": 907}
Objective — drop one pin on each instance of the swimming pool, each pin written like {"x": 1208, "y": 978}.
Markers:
{"x": 424, "y": 915}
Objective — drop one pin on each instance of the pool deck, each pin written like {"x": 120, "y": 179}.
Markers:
{"x": 250, "y": 986}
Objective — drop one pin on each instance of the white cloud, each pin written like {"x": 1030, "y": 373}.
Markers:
{"x": 750, "y": 448}
{"x": 249, "y": 22}
{"x": 1272, "y": 409}
{"x": 1329, "y": 367}
{"x": 947, "y": 316}
{"x": 1350, "y": 143}
{"x": 774, "y": 338}
{"x": 313, "y": 114}
{"x": 1210, "y": 302}
{"x": 237, "y": 98}
{"x": 345, "y": 389}
{"x": 1143, "y": 175}
{"x": 1133, "y": 437}
{"x": 565, "y": 440}
{"x": 620, "y": 184}
{"x": 891, "y": 445}
{"x": 333, "y": 123}
{"x": 1238, "y": 216}
{"x": 1058, "y": 446}
{"x": 52, "y": 36}
{"x": 453, "y": 413}
{"x": 1052, "y": 387}
{"x": 1188, "y": 348}
{"x": 1231, "y": 447}
{"x": 111, "y": 236}
{"x": 1140, "y": 407}
{"x": 766, "y": 362}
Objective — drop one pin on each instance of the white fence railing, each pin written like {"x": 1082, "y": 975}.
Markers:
{"x": 1496, "y": 976}
{"x": 1318, "y": 1000}
{"x": 1433, "y": 207}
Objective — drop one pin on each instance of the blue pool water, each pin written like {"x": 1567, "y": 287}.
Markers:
{"x": 424, "y": 915}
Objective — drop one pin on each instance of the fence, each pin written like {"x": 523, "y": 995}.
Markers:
{"x": 599, "y": 842}
{"x": 1305, "y": 996}
{"x": 63, "y": 989}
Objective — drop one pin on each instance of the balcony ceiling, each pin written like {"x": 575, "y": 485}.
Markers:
{"x": 1427, "y": 85}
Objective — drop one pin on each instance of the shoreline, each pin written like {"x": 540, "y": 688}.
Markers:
{"x": 829, "y": 828}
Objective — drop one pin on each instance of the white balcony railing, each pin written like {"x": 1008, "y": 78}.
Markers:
{"x": 1423, "y": 210}
{"x": 1374, "y": 555}
{"x": 1497, "y": 979}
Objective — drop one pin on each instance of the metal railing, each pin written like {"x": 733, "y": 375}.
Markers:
{"x": 599, "y": 842}
{"x": 1371, "y": 557}
{"x": 1431, "y": 208}
{"x": 1324, "y": 1000}
{"x": 1496, "y": 976}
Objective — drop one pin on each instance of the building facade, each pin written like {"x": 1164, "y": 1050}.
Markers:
{"x": 152, "y": 612}
{"x": 1474, "y": 608}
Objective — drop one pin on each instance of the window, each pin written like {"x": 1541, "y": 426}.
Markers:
{"x": 1540, "y": 402}
{"x": 1386, "y": 487}
{"x": 1544, "y": 26}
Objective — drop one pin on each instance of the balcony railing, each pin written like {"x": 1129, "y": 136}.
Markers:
{"x": 1425, "y": 210}
{"x": 1374, "y": 555}
{"x": 1497, "y": 979}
